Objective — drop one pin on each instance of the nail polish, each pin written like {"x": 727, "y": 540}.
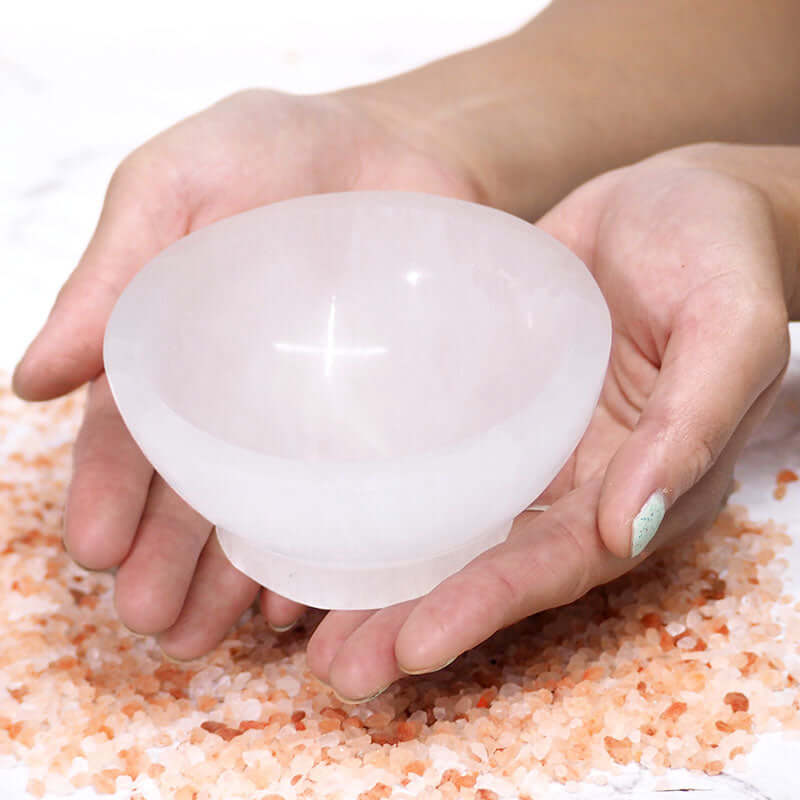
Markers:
{"x": 646, "y": 522}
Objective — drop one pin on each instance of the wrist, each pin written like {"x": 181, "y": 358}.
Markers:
{"x": 482, "y": 114}
{"x": 587, "y": 87}
{"x": 774, "y": 171}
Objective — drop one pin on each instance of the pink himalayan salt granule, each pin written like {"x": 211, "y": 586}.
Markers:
{"x": 678, "y": 664}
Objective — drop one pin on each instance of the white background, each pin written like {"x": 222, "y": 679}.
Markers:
{"x": 83, "y": 83}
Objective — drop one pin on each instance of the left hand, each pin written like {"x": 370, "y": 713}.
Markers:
{"x": 696, "y": 270}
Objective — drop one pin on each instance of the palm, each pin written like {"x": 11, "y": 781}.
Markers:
{"x": 665, "y": 247}
{"x": 653, "y": 258}
{"x": 252, "y": 149}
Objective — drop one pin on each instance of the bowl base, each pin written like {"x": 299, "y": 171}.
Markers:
{"x": 345, "y": 587}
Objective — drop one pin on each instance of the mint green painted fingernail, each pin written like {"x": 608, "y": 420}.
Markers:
{"x": 646, "y": 522}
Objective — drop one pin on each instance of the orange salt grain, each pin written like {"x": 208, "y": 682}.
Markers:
{"x": 750, "y": 660}
{"x": 786, "y": 476}
{"x": 252, "y": 725}
{"x": 379, "y": 791}
{"x": 619, "y": 749}
{"x": 737, "y": 701}
{"x": 779, "y": 492}
{"x": 338, "y": 713}
{"x": 716, "y": 590}
{"x": 155, "y": 770}
{"x": 417, "y": 767}
{"x": 18, "y": 693}
{"x": 406, "y": 731}
{"x": 206, "y": 703}
{"x": 484, "y": 701}
{"x": 220, "y": 729}
{"x": 379, "y": 719}
{"x": 674, "y": 711}
{"x": 105, "y": 782}
{"x": 80, "y": 780}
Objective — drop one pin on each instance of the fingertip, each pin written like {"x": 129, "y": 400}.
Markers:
{"x": 26, "y": 382}
{"x": 90, "y": 546}
{"x": 44, "y": 373}
{"x": 280, "y": 613}
{"x": 320, "y": 652}
{"x": 633, "y": 497}
{"x": 646, "y": 523}
{"x": 614, "y": 524}
{"x": 422, "y": 643}
{"x": 182, "y": 646}
{"x": 19, "y": 380}
{"x": 141, "y": 608}
{"x": 426, "y": 670}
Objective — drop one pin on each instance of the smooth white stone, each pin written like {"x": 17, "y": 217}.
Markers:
{"x": 360, "y": 390}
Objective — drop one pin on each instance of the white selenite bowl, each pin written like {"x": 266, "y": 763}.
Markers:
{"x": 360, "y": 390}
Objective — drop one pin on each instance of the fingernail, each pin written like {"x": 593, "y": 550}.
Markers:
{"x": 646, "y": 522}
{"x": 283, "y": 628}
{"x": 355, "y": 702}
{"x": 426, "y": 670}
{"x": 174, "y": 660}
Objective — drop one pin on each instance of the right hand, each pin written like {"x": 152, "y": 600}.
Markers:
{"x": 250, "y": 149}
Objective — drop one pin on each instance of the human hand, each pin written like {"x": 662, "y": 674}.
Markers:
{"x": 697, "y": 261}
{"x": 251, "y": 149}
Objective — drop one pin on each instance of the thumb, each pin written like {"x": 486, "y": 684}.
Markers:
{"x": 141, "y": 215}
{"x": 726, "y": 348}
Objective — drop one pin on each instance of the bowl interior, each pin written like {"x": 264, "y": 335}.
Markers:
{"x": 360, "y": 326}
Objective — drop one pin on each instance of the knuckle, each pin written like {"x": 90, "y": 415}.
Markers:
{"x": 500, "y": 589}
{"x": 555, "y": 572}
{"x": 703, "y": 453}
{"x": 571, "y": 564}
{"x": 127, "y": 171}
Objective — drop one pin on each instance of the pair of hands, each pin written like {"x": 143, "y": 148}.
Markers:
{"x": 696, "y": 271}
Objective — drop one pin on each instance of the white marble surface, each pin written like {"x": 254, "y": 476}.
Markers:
{"x": 83, "y": 83}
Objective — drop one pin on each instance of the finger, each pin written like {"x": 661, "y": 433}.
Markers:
{"x": 218, "y": 595}
{"x": 696, "y": 509}
{"x": 365, "y": 663}
{"x": 280, "y": 613}
{"x": 143, "y": 212}
{"x": 154, "y": 578}
{"x": 548, "y": 560}
{"x": 109, "y": 486}
{"x": 728, "y": 344}
{"x": 328, "y": 638}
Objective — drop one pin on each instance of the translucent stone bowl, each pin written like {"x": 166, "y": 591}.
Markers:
{"x": 360, "y": 390}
